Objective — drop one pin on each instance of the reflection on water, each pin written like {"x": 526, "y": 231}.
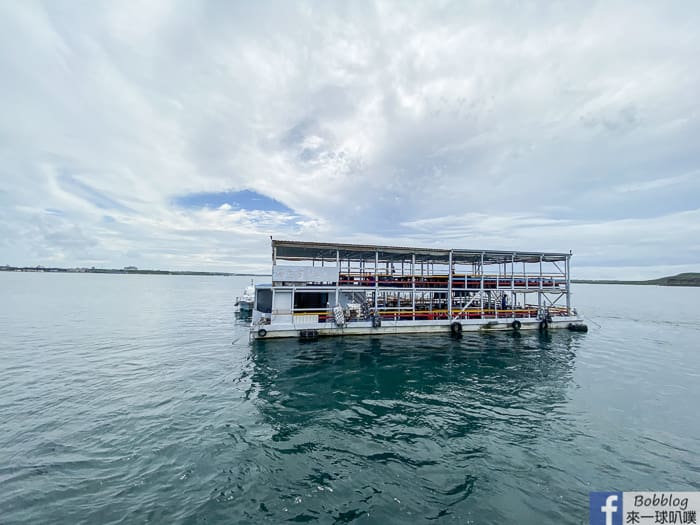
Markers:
{"x": 485, "y": 375}
{"x": 400, "y": 426}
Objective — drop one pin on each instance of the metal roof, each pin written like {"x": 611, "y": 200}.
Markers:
{"x": 322, "y": 250}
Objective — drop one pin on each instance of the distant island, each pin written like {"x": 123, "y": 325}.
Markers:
{"x": 126, "y": 269}
{"x": 682, "y": 279}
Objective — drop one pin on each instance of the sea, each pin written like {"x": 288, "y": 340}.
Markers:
{"x": 139, "y": 399}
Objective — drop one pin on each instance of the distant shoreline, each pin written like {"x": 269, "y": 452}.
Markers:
{"x": 682, "y": 279}
{"x": 41, "y": 269}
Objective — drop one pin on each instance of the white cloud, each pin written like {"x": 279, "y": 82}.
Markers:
{"x": 465, "y": 124}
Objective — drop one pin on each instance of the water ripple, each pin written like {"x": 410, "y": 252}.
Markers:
{"x": 124, "y": 400}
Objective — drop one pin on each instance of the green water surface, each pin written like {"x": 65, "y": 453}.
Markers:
{"x": 133, "y": 399}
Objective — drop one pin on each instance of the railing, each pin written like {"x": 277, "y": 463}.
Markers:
{"x": 530, "y": 312}
{"x": 491, "y": 281}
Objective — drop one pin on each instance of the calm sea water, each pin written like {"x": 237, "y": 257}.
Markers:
{"x": 132, "y": 399}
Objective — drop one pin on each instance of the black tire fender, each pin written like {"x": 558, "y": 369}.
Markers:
{"x": 262, "y": 332}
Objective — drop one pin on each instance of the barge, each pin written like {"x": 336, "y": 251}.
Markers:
{"x": 325, "y": 289}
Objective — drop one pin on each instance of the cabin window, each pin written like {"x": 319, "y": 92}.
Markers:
{"x": 263, "y": 300}
{"x": 309, "y": 300}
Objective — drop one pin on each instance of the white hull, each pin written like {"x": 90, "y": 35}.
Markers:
{"x": 406, "y": 327}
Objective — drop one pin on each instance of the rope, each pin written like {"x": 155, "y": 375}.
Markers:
{"x": 592, "y": 321}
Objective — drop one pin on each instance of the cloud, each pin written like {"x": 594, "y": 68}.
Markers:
{"x": 458, "y": 124}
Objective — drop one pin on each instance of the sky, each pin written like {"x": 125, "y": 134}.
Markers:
{"x": 183, "y": 134}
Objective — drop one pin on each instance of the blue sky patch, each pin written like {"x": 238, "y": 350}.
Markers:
{"x": 242, "y": 200}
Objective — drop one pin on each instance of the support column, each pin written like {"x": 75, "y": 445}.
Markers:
{"x": 539, "y": 291}
{"x": 512, "y": 285}
{"x": 449, "y": 289}
{"x": 272, "y": 306}
{"x": 376, "y": 282}
{"x": 527, "y": 281}
{"x": 337, "y": 280}
{"x": 413, "y": 283}
{"x": 481, "y": 288}
{"x": 568, "y": 284}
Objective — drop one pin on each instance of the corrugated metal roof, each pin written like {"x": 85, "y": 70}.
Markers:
{"x": 318, "y": 250}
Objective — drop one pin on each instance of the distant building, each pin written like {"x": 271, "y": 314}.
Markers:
{"x": 130, "y": 268}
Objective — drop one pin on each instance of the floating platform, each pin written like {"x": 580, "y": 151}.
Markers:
{"x": 324, "y": 289}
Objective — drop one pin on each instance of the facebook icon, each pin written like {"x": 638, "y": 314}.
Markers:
{"x": 606, "y": 508}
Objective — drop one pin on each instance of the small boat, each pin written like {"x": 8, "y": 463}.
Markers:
{"x": 244, "y": 303}
{"x": 324, "y": 289}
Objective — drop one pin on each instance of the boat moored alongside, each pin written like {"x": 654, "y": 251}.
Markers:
{"x": 243, "y": 306}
